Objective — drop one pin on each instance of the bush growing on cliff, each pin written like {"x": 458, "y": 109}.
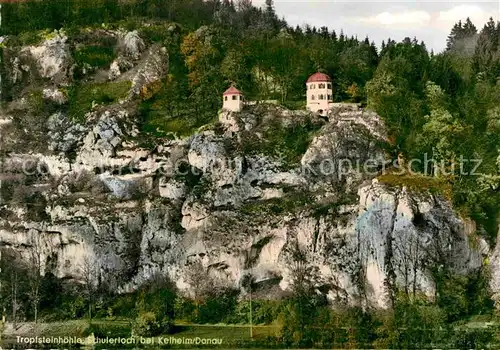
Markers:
{"x": 139, "y": 189}
{"x": 285, "y": 142}
{"x": 80, "y": 181}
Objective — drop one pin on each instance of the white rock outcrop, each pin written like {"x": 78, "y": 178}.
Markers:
{"x": 131, "y": 44}
{"x": 53, "y": 58}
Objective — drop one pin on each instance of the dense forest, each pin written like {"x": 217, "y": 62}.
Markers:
{"x": 443, "y": 106}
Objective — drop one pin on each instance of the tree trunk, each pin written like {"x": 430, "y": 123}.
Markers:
{"x": 251, "y": 321}
{"x": 14, "y": 299}
{"x": 415, "y": 268}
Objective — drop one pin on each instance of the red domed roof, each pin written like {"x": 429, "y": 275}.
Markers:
{"x": 232, "y": 91}
{"x": 318, "y": 77}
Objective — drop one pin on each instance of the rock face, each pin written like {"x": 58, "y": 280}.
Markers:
{"x": 131, "y": 44}
{"x": 53, "y": 58}
{"x": 211, "y": 199}
{"x": 150, "y": 72}
{"x": 404, "y": 234}
{"x": 495, "y": 271}
{"x": 49, "y": 60}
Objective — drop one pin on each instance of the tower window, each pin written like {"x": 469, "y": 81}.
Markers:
{"x": 225, "y": 98}
{"x": 321, "y": 86}
{"x": 321, "y": 97}
{"x": 330, "y": 98}
{"x": 313, "y": 86}
{"x": 235, "y": 97}
{"x": 313, "y": 97}
{"x": 329, "y": 85}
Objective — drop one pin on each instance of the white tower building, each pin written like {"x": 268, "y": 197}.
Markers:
{"x": 232, "y": 100}
{"x": 319, "y": 93}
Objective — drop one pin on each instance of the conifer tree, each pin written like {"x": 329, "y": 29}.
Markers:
{"x": 455, "y": 34}
{"x": 486, "y": 55}
{"x": 462, "y": 38}
{"x": 334, "y": 36}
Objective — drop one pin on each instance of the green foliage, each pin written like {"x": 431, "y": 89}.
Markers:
{"x": 304, "y": 308}
{"x": 295, "y": 105}
{"x": 160, "y": 32}
{"x": 36, "y": 102}
{"x": 418, "y": 183}
{"x": 217, "y": 309}
{"x": 176, "y": 126}
{"x": 362, "y": 324}
{"x": 169, "y": 114}
{"x": 465, "y": 337}
{"x": 460, "y": 296}
{"x": 412, "y": 324}
{"x": 287, "y": 143}
{"x": 439, "y": 133}
{"x": 74, "y": 308}
{"x": 486, "y": 58}
{"x": 95, "y": 56}
{"x": 397, "y": 88}
{"x": 123, "y": 305}
{"x": 276, "y": 206}
{"x": 53, "y": 14}
{"x": 264, "y": 312}
{"x": 155, "y": 307}
{"x": 212, "y": 309}
{"x": 29, "y": 38}
{"x": 461, "y": 39}
{"x": 185, "y": 309}
{"x": 146, "y": 324}
{"x": 113, "y": 329}
{"x": 443, "y": 109}
{"x": 448, "y": 73}
{"x": 321, "y": 209}
{"x": 301, "y": 315}
{"x": 82, "y": 97}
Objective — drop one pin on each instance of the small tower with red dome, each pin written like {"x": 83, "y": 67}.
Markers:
{"x": 319, "y": 93}
{"x": 232, "y": 99}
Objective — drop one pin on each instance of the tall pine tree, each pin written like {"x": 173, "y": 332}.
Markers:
{"x": 462, "y": 38}
{"x": 487, "y": 55}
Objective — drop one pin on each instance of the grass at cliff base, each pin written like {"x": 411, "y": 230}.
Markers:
{"x": 232, "y": 335}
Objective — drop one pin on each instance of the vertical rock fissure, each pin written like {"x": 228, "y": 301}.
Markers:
{"x": 316, "y": 234}
{"x": 360, "y": 276}
{"x": 390, "y": 281}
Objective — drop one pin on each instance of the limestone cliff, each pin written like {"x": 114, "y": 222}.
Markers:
{"x": 231, "y": 196}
